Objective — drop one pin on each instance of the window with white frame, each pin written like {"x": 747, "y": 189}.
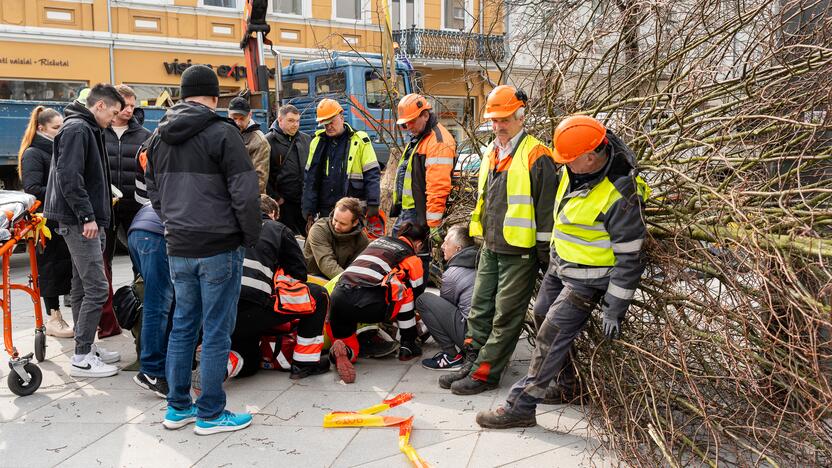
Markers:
{"x": 348, "y": 9}
{"x": 453, "y": 14}
{"x": 403, "y": 14}
{"x": 220, "y": 3}
{"x": 287, "y": 7}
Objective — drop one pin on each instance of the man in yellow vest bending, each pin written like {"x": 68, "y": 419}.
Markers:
{"x": 513, "y": 215}
{"x": 596, "y": 258}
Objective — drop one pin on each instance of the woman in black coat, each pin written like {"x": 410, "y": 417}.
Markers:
{"x": 55, "y": 262}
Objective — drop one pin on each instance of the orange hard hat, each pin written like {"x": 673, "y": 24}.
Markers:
{"x": 411, "y": 106}
{"x": 503, "y": 101}
{"x": 327, "y": 109}
{"x": 576, "y": 135}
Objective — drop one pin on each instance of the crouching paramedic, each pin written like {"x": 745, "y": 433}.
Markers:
{"x": 380, "y": 285}
{"x": 274, "y": 291}
{"x": 596, "y": 258}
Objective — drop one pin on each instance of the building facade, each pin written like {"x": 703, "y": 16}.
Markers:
{"x": 50, "y": 49}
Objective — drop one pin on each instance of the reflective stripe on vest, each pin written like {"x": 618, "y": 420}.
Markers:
{"x": 578, "y": 236}
{"x": 408, "y": 202}
{"x": 292, "y": 296}
{"x": 355, "y": 165}
{"x": 519, "y": 227}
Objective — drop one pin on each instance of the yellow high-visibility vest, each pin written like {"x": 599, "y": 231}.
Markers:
{"x": 519, "y": 227}
{"x": 578, "y": 237}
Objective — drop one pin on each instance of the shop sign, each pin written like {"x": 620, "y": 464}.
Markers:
{"x": 43, "y": 62}
{"x": 235, "y": 71}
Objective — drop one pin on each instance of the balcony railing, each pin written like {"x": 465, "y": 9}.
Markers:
{"x": 429, "y": 44}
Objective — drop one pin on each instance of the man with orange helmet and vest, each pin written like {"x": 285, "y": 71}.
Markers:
{"x": 513, "y": 215}
{"x": 423, "y": 178}
{"x": 341, "y": 163}
{"x": 596, "y": 258}
{"x": 381, "y": 285}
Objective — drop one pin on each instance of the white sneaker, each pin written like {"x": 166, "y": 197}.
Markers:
{"x": 91, "y": 366}
{"x": 108, "y": 357}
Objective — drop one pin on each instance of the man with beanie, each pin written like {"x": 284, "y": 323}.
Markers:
{"x": 201, "y": 182}
{"x": 258, "y": 148}
{"x": 79, "y": 198}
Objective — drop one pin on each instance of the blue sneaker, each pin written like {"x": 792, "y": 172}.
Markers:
{"x": 225, "y": 422}
{"x": 175, "y": 419}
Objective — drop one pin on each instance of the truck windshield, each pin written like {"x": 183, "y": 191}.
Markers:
{"x": 295, "y": 88}
{"x": 378, "y": 95}
{"x": 331, "y": 83}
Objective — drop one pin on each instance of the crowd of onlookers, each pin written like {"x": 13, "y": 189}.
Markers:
{"x": 266, "y": 249}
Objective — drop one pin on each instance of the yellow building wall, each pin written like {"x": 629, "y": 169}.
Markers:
{"x": 22, "y": 60}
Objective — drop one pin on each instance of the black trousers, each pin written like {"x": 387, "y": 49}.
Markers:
{"x": 292, "y": 217}
{"x": 351, "y": 306}
{"x": 255, "y": 320}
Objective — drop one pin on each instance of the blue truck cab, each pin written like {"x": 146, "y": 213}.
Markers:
{"x": 356, "y": 83}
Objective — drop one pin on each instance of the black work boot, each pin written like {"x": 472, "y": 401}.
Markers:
{"x": 372, "y": 345}
{"x": 471, "y": 386}
{"x": 470, "y": 356}
{"x": 557, "y": 395}
{"x": 501, "y": 418}
{"x": 409, "y": 350}
{"x": 301, "y": 370}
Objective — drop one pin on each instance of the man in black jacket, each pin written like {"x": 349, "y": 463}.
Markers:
{"x": 201, "y": 182}
{"x": 278, "y": 250}
{"x": 123, "y": 139}
{"x": 289, "y": 150}
{"x": 78, "y": 197}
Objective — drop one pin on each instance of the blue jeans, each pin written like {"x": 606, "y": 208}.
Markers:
{"x": 207, "y": 290}
{"x": 149, "y": 255}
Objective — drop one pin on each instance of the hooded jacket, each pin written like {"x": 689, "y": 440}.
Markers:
{"x": 201, "y": 182}
{"x": 122, "y": 157}
{"x": 78, "y": 190}
{"x": 258, "y": 150}
{"x": 286, "y": 164}
{"x": 458, "y": 279}
{"x": 328, "y": 252}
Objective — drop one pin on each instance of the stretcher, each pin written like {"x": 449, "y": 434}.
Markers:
{"x": 20, "y": 224}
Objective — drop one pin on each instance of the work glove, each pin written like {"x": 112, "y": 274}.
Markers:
{"x": 435, "y": 235}
{"x": 372, "y": 211}
{"x": 310, "y": 220}
{"x": 612, "y": 327}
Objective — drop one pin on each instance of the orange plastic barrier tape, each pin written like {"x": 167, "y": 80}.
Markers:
{"x": 397, "y": 400}
{"x": 367, "y": 417}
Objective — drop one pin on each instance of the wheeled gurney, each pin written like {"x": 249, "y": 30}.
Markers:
{"x": 19, "y": 222}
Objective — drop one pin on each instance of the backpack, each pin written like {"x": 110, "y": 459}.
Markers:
{"x": 127, "y": 307}
{"x": 291, "y": 296}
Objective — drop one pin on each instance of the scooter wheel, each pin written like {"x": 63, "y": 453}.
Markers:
{"x": 40, "y": 346}
{"x": 21, "y": 388}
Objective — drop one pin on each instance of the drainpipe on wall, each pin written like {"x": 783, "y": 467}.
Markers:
{"x": 482, "y": 16}
{"x": 112, "y": 42}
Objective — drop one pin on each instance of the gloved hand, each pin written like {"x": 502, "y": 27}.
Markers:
{"x": 612, "y": 327}
{"x": 310, "y": 220}
{"x": 435, "y": 235}
{"x": 372, "y": 211}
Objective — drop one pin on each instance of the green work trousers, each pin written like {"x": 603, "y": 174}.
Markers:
{"x": 502, "y": 291}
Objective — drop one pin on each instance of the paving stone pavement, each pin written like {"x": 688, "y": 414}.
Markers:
{"x": 111, "y": 422}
